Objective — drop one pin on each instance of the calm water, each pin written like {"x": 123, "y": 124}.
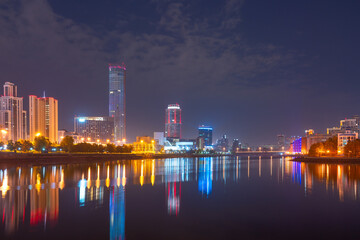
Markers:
{"x": 206, "y": 198}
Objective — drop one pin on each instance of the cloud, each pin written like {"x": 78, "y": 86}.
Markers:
{"x": 202, "y": 55}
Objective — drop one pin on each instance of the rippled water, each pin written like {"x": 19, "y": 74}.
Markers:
{"x": 205, "y": 198}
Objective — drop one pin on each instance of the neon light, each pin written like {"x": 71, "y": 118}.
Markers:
{"x": 205, "y": 128}
{"x": 122, "y": 66}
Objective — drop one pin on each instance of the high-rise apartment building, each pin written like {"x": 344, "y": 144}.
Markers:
{"x": 12, "y": 115}
{"x": 206, "y": 133}
{"x": 43, "y": 117}
{"x": 173, "y": 121}
{"x": 117, "y": 82}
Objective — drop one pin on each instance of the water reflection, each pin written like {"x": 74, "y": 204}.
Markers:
{"x": 30, "y": 196}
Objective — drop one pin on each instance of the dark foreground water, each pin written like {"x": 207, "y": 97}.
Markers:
{"x": 206, "y": 198}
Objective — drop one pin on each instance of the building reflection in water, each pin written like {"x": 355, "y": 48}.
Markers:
{"x": 117, "y": 212}
{"x": 33, "y": 192}
{"x": 30, "y": 196}
{"x": 205, "y": 176}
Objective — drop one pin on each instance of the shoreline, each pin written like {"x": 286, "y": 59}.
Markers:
{"x": 327, "y": 160}
{"x": 34, "y": 159}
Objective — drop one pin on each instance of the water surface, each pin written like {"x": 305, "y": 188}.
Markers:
{"x": 204, "y": 198}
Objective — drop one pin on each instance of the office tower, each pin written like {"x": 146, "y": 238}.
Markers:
{"x": 173, "y": 121}
{"x": 236, "y": 145}
{"x": 43, "y": 118}
{"x": 12, "y": 115}
{"x": 206, "y": 132}
{"x": 95, "y": 129}
{"x": 281, "y": 140}
{"x": 117, "y": 81}
{"x": 222, "y": 144}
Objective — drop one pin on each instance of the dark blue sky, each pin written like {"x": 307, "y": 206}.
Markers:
{"x": 251, "y": 69}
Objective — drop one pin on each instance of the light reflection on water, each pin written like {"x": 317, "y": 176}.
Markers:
{"x": 30, "y": 196}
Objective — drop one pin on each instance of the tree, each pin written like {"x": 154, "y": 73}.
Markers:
{"x": 352, "y": 148}
{"x": 110, "y": 148}
{"x": 18, "y": 146}
{"x": 10, "y": 145}
{"x": 27, "y": 146}
{"x": 41, "y": 143}
{"x": 67, "y": 143}
{"x": 123, "y": 149}
{"x": 315, "y": 149}
{"x": 329, "y": 147}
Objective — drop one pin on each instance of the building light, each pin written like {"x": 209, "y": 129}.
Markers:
{"x": 82, "y": 120}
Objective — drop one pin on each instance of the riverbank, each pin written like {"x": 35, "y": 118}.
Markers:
{"x": 33, "y": 159}
{"x": 327, "y": 160}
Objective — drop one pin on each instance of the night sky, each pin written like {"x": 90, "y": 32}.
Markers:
{"x": 251, "y": 69}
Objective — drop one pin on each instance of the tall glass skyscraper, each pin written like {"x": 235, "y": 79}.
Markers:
{"x": 117, "y": 79}
{"x": 173, "y": 121}
{"x": 206, "y": 133}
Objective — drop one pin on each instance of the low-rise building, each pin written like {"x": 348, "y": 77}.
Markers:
{"x": 63, "y": 133}
{"x": 333, "y": 131}
{"x": 144, "y": 144}
{"x": 344, "y": 138}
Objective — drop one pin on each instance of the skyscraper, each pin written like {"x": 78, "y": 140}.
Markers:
{"x": 117, "y": 81}
{"x": 206, "y": 133}
{"x": 43, "y": 117}
{"x": 12, "y": 115}
{"x": 173, "y": 121}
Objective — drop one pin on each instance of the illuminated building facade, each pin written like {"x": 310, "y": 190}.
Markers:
{"x": 95, "y": 129}
{"x": 344, "y": 138}
{"x": 144, "y": 144}
{"x": 117, "y": 81}
{"x": 297, "y": 145}
{"x": 43, "y": 117}
{"x": 12, "y": 115}
{"x": 206, "y": 133}
{"x": 173, "y": 121}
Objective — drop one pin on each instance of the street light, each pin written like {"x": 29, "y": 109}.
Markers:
{"x": 89, "y": 139}
{"x": 38, "y": 134}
